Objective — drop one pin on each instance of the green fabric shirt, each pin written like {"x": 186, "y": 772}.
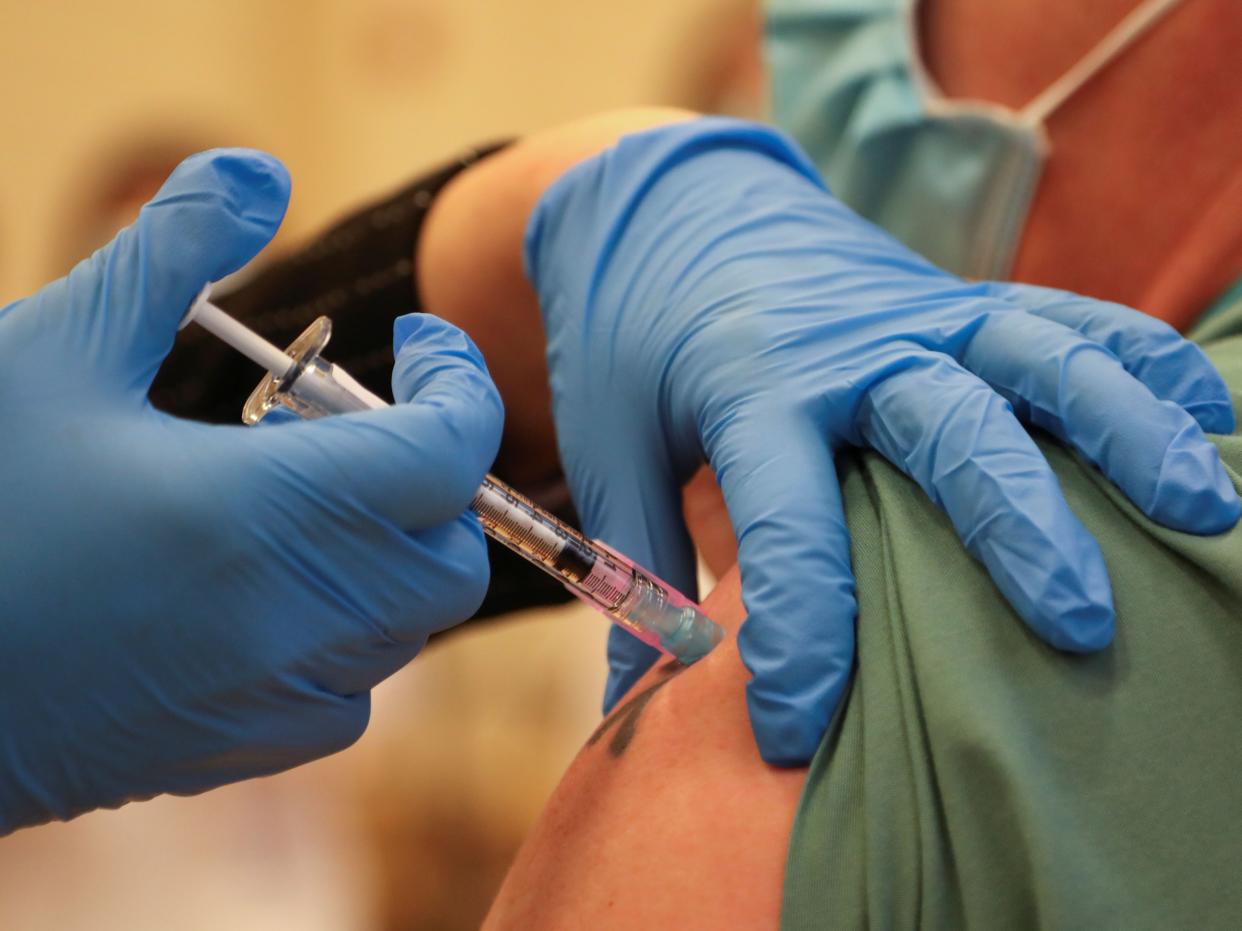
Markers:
{"x": 976, "y": 778}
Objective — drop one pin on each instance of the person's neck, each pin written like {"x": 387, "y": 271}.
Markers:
{"x": 1141, "y": 199}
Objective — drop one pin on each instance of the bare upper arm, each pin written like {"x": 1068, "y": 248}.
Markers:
{"x": 667, "y": 817}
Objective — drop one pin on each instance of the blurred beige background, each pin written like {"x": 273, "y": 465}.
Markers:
{"x": 352, "y": 94}
{"x": 415, "y": 825}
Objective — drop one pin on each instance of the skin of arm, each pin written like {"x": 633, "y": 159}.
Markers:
{"x": 668, "y": 791}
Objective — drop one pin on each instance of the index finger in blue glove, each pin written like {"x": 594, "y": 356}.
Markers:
{"x": 779, "y": 483}
{"x": 415, "y": 464}
{"x": 959, "y": 440}
{"x": 1172, "y": 367}
{"x": 213, "y": 214}
{"x": 1075, "y": 388}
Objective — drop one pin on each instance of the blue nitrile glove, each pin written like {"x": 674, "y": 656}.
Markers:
{"x": 184, "y": 605}
{"x": 706, "y": 298}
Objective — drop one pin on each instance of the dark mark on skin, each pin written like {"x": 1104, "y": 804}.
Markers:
{"x": 626, "y": 717}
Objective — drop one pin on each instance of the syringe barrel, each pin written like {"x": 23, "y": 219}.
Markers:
{"x": 527, "y": 529}
{"x": 648, "y": 608}
{"x": 663, "y": 617}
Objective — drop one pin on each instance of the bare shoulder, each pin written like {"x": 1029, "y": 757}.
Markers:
{"x": 667, "y": 817}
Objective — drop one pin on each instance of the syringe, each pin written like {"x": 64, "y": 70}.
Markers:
{"x": 301, "y": 380}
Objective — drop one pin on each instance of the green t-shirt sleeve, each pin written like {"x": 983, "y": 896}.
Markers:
{"x": 975, "y": 777}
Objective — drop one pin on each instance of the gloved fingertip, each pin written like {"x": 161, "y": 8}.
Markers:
{"x": 1180, "y": 371}
{"x": 405, "y": 327}
{"x": 1231, "y": 513}
{"x": 1194, "y": 493}
{"x": 1214, "y": 416}
{"x": 628, "y": 659}
{"x": 439, "y": 366}
{"x": 619, "y": 682}
{"x": 1087, "y": 628}
{"x": 254, "y": 184}
{"x": 422, "y": 344}
{"x": 215, "y": 212}
{"x": 1067, "y": 602}
{"x": 786, "y": 735}
{"x": 789, "y": 711}
{"x": 250, "y": 171}
{"x": 414, "y": 332}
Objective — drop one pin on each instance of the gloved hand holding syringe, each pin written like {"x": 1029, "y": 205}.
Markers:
{"x": 302, "y": 381}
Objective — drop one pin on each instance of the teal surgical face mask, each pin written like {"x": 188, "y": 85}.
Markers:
{"x": 953, "y": 179}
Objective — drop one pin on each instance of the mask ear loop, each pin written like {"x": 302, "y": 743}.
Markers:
{"x": 1124, "y": 34}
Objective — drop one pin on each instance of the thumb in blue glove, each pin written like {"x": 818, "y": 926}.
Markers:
{"x": 184, "y": 605}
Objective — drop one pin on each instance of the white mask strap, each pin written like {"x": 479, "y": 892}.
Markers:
{"x": 1142, "y": 18}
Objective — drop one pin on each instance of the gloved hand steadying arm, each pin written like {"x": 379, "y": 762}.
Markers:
{"x": 184, "y": 605}
{"x": 705, "y": 298}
